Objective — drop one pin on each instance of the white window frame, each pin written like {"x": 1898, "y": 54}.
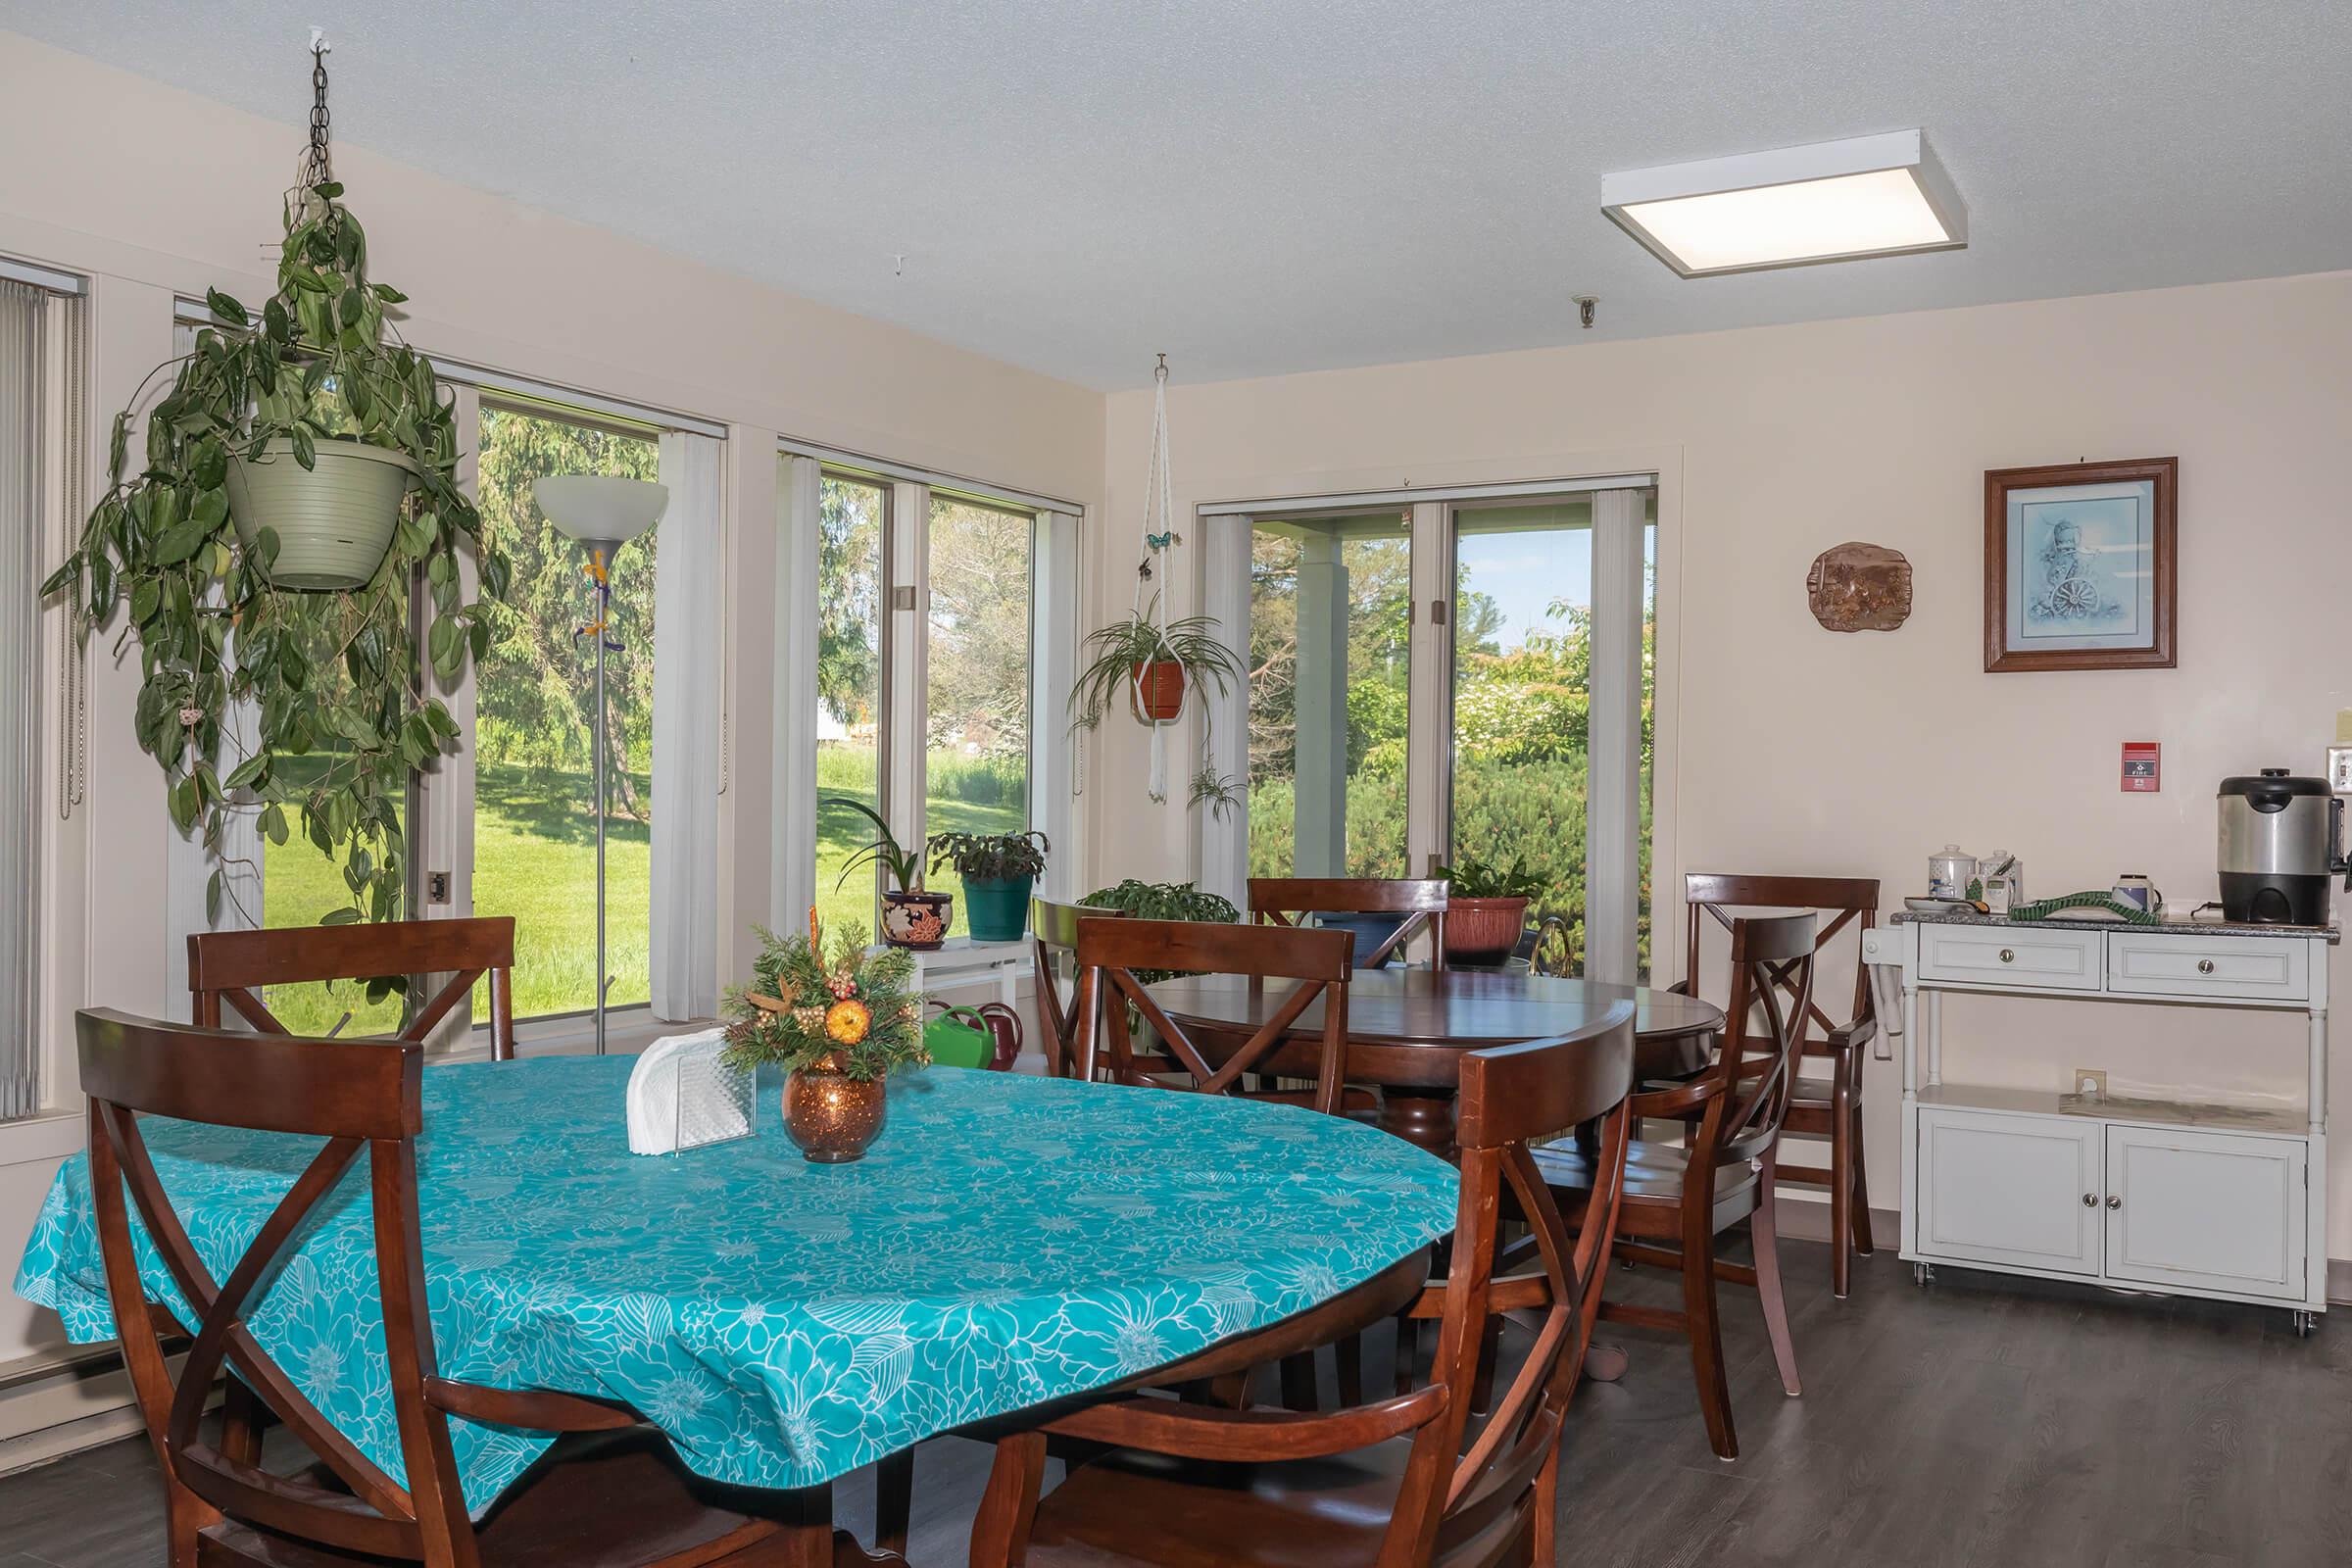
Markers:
{"x": 1057, "y": 531}
{"x": 1620, "y": 500}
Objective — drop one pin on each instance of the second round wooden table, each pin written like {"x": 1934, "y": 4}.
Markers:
{"x": 1406, "y": 1029}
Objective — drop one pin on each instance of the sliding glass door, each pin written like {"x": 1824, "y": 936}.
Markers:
{"x": 1330, "y": 666}
{"x": 1464, "y": 679}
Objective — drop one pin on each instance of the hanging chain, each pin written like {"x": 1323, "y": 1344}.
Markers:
{"x": 317, "y": 166}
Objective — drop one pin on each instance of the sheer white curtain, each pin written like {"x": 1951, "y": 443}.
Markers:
{"x": 689, "y": 561}
{"x": 23, "y": 361}
{"x": 1224, "y": 837}
{"x": 1052, "y": 668}
{"x": 792, "y": 857}
{"x": 189, "y": 864}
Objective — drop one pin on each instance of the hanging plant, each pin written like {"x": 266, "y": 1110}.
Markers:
{"x": 266, "y": 421}
{"x": 1155, "y": 661}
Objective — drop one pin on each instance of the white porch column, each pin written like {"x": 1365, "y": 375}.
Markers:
{"x": 1319, "y": 739}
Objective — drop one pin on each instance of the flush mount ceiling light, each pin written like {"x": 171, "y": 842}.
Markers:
{"x": 1831, "y": 201}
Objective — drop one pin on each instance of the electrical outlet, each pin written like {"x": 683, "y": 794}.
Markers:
{"x": 436, "y": 887}
{"x": 2089, "y": 1082}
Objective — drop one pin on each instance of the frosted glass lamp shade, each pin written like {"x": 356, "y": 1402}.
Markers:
{"x": 598, "y": 509}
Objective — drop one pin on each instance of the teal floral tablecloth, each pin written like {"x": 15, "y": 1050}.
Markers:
{"x": 1008, "y": 1240}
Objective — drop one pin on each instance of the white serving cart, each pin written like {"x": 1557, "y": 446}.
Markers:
{"x": 2157, "y": 1194}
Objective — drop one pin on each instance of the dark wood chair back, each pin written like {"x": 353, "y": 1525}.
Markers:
{"x": 1847, "y": 902}
{"x": 232, "y": 968}
{"x": 1454, "y": 1498}
{"x": 1110, "y": 951}
{"x": 1285, "y": 899}
{"x": 1054, "y": 939}
{"x": 365, "y": 1099}
{"x": 1742, "y": 1096}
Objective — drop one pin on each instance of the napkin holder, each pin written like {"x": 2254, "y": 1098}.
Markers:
{"x": 682, "y": 1095}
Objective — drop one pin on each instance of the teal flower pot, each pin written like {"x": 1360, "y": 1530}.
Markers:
{"x": 997, "y": 908}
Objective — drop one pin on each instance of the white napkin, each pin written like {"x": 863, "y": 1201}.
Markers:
{"x": 653, "y": 1092}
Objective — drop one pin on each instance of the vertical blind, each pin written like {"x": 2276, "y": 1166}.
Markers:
{"x": 23, "y": 379}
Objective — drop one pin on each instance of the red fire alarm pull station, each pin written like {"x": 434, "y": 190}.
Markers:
{"x": 2142, "y": 773}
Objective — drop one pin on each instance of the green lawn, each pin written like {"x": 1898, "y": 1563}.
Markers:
{"x": 534, "y": 843}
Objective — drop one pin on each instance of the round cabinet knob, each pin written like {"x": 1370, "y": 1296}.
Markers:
{"x": 2204, "y": 966}
{"x": 2116, "y": 1202}
{"x": 2091, "y": 1200}
{"x": 2008, "y": 956}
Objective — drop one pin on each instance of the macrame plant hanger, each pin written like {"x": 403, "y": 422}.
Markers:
{"x": 1158, "y": 498}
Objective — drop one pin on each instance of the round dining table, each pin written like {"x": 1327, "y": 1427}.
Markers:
{"x": 1406, "y": 1029}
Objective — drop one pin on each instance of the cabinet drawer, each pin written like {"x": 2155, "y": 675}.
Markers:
{"x": 2022, "y": 1191}
{"x": 2241, "y": 968}
{"x": 2201, "y": 1211}
{"x": 2019, "y": 956}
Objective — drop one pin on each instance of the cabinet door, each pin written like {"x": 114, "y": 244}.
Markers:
{"x": 2020, "y": 1191}
{"x": 2202, "y": 1210}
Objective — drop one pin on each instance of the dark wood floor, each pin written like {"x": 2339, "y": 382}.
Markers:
{"x": 1980, "y": 1421}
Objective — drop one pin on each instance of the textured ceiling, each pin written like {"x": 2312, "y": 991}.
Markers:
{"x": 1270, "y": 185}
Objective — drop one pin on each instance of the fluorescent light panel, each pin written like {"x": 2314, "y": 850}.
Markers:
{"x": 1831, "y": 201}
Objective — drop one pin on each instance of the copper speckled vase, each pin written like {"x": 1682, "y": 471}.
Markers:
{"x": 832, "y": 1116}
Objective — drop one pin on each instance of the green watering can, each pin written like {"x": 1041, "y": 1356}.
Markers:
{"x": 959, "y": 1038}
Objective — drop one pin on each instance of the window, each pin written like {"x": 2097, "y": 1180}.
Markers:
{"x": 1436, "y": 678}
{"x": 1522, "y": 744}
{"x": 534, "y": 814}
{"x": 976, "y": 720}
{"x": 852, "y": 530}
{"x": 1330, "y": 599}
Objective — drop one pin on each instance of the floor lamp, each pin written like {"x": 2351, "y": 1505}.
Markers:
{"x": 600, "y": 515}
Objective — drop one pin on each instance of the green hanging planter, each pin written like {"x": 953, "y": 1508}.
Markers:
{"x": 333, "y": 521}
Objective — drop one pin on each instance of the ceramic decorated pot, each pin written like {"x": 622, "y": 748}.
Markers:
{"x": 917, "y": 921}
{"x": 832, "y": 1116}
{"x": 1482, "y": 930}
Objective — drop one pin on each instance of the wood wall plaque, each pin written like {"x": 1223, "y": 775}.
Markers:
{"x": 1859, "y": 587}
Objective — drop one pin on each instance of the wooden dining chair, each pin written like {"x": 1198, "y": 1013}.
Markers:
{"x": 1688, "y": 1193}
{"x": 613, "y": 1493}
{"x": 1287, "y": 899}
{"x": 1824, "y": 1105}
{"x": 1402, "y": 1482}
{"x": 232, "y": 968}
{"x": 1053, "y": 940}
{"x": 1318, "y": 963}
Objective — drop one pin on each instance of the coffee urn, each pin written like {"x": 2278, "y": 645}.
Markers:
{"x": 2282, "y": 843}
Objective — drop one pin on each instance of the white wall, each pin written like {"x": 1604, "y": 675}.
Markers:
{"x": 153, "y": 192}
{"x": 1788, "y": 748}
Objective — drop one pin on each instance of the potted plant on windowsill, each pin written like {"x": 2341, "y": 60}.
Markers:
{"x": 1485, "y": 909}
{"x": 997, "y": 870}
{"x": 911, "y": 917}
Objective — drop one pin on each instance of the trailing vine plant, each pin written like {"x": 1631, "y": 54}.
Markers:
{"x": 332, "y": 677}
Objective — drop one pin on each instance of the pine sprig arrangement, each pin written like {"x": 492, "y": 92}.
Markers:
{"x": 819, "y": 1003}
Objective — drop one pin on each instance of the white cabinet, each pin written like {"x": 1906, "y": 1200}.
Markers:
{"x": 2145, "y": 1192}
{"x": 2206, "y": 1211}
{"x": 2016, "y": 1191}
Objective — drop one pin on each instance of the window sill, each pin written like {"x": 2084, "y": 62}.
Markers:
{"x": 47, "y": 1136}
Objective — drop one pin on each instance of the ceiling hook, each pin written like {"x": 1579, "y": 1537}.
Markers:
{"x": 319, "y": 43}
{"x": 1585, "y": 304}
{"x": 1162, "y": 373}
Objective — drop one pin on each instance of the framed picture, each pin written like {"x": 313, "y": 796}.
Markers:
{"x": 2080, "y": 567}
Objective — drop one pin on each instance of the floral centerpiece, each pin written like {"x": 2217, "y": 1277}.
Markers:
{"x": 840, "y": 1021}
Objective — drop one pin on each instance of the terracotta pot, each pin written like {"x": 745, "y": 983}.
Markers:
{"x": 1156, "y": 694}
{"x": 1483, "y": 928}
{"x": 917, "y": 921}
{"x": 831, "y": 1115}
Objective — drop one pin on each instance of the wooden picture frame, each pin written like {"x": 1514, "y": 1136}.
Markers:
{"x": 2082, "y": 566}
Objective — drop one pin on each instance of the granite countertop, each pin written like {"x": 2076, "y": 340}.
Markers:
{"x": 2330, "y": 933}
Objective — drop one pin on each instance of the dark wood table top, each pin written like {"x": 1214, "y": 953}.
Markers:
{"x": 1402, "y": 1023}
